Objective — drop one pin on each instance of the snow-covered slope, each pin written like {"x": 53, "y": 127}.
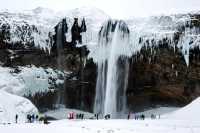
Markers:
{"x": 28, "y": 28}
{"x": 37, "y": 26}
{"x": 10, "y": 105}
{"x": 189, "y": 112}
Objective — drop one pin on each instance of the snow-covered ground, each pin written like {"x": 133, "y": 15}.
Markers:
{"x": 106, "y": 126}
{"x": 175, "y": 122}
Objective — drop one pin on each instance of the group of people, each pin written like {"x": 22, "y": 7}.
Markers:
{"x": 80, "y": 116}
{"x": 32, "y": 118}
{"x": 72, "y": 115}
{"x": 129, "y": 116}
{"x": 106, "y": 117}
{"x": 142, "y": 116}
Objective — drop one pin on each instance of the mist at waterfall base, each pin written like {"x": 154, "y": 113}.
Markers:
{"x": 112, "y": 69}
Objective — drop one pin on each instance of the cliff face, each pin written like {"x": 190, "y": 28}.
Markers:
{"x": 162, "y": 79}
{"x": 158, "y": 73}
{"x": 160, "y": 76}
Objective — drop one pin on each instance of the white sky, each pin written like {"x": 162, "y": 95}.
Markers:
{"x": 115, "y": 8}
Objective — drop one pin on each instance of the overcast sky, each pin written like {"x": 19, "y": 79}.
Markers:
{"x": 115, "y": 8}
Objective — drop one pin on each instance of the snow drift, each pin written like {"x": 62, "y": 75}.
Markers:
{"x": 189, "y": 112}
{"x": 10, "y": 105}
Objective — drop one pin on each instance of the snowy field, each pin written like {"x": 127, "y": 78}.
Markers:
{"x": 107, "y": 126}
{"x": 183, "y": 120}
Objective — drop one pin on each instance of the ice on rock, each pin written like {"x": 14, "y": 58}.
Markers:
{"x": 29, "y": 81}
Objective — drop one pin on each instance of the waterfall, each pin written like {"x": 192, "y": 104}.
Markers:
{"x": 100, "y": 88}
{"x": 60, "y": 101}
{"x": 124, "y": 73}
{"x": 112, "y": 69}
{"x": 59, "y": 45}
{"x": 110, "y": 106}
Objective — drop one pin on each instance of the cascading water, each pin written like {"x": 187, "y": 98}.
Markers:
{"x": 100, "y": 88}
{"x": 59, "y": 45}
{"x": 112, "y": 77}
{"x": 123, "y": 71}
{"x": 60, "y": 39}
{"x": 110, "y": 106}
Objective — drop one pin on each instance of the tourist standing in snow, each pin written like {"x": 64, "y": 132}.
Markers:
{"x": 96, "y": 116}
{"x": 32, "y": 118}
{"x": 82, "y": 116}
{"x": 16, "y": 118}
{"x": 46, "y": 120}
{"x": 36, "y": 117}
{"x": 142, "y": 117}
{"x": 129, "y": 115}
